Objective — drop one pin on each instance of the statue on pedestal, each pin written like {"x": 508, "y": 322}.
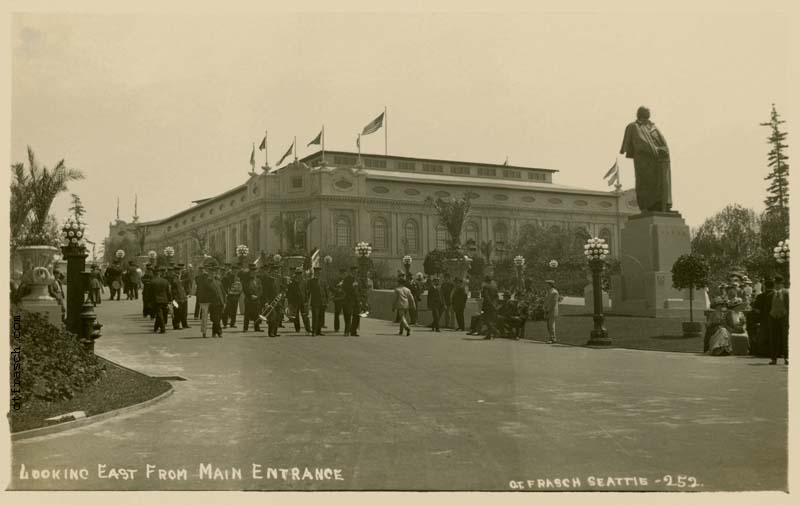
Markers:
{"x": 647, "y": 146}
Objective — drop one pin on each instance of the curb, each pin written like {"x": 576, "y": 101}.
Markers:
{"x": 58, "y": 428}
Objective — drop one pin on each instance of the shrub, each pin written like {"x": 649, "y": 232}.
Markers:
{"x": 690, "y": 271}
{"x": 55, "y": 363}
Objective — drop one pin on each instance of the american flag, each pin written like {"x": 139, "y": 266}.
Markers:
{"x": 374, "y": 125}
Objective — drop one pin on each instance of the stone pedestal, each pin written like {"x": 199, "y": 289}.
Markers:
{"x": 37, "y": 263}
{"x": 651, "y": 242}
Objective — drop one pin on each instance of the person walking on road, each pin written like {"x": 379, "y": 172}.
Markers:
{"x": 403, "y": 302}
{"x": 217, "y": 304}
{"x": 203, "y": 294}
{"x": 779, "y": 323}
{"x": 435, "y": 303}
{"x": 551, "y": 311}
{"x": 297, "y": 293}
{"x": 458, "y": 302}
{"x": 162, "y": 296}
{"x": 318, "y": 299}
{"x": 252, "y": 298}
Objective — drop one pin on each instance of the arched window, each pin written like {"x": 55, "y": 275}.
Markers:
{"x": 605, "y": 234}
{"x": 379, "y": 238}
{"x": 343, "y": 232}
{"x": 500, "y": 235}
{"x": 441, "y": 237}
{"x": 411, "y": 235}
{"x": 471, "y": 234}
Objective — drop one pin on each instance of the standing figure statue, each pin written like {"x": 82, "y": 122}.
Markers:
{"x": 646, "y": 145}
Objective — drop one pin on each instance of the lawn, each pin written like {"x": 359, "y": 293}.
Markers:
{"x": 646, "y": 333}
{"x": 118, "y": 387}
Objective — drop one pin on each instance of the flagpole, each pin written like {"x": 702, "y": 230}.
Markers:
{"x": 266, "y": 150}
{"x": 294, "y": 145}
{"x": 358, "y": 143}
{"x": 618, "y": 188}
{"x": 385, "y": 132}
{"x": 323, "y": 144}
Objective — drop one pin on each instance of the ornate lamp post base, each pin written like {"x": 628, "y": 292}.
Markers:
{"x": 598, "y": 336}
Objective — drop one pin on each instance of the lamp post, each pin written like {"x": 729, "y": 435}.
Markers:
{"x": 407, "y": 265}
{"x": 363, "y": 250}
{"x": 169, "y": 252}
{"x": 596, "y": 251}
{"x": 81, "y": 317}
{"x": 519, "y": 262}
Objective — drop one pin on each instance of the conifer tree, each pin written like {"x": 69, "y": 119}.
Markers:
{"x": 777, "y": 201}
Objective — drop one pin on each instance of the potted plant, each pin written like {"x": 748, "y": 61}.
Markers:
{"x": 452, "y": 214}
{"x": 34, "y": 231}
{"x": 690, "y": 271}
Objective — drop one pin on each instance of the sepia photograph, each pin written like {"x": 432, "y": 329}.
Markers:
{"x": 263, "y": 247}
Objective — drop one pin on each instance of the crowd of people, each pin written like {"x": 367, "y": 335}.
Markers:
{"x": 747, "y": 317}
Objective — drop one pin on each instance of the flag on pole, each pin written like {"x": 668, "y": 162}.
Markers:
{"x": 374, "y": 125}
{"x": 614, "y": 179}
{"x": 263, "y": 144}
{"x": 288, "y": 152}
{"x": 611, "y": 171}
{"x": 317, "y": 140}
{"x": 253, "y": 157}
{"x": 358, "y": 142}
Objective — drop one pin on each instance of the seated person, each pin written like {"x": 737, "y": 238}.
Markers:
{"x": 717, "y": 335}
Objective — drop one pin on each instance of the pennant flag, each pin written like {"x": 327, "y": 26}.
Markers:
{"x": 613, "y": 179}
{"x": 374, "y": 125}
{"x": 263, "y": 144}
{"x": 317, "y": 141}
{"x": 288, "y": 152}
{"x": 253, "y": 157}
{"x": 613, "y": 170}
{"x": 358, "y": 142}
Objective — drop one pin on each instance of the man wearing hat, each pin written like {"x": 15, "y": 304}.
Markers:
{"x": 252, "y": 299}
{"x": 551, "y": 310}
{"x": 232, "y": 287}
{"x": 146, "y": 298}
{"x": 318, "y": 298}
{"x": 179, "y": 313}
{"x": 297, "y": 295}
{"x": 350, "y": 303}
{"x": 203, "y": 295}
{"x": 217, "y": 304}
{"x": 779, "y": 322}
{"x": 490, "y": 298}
{"x": 338, "y": 298}
{"x": 271, "y": 288}
{"x": 162, "y": 295}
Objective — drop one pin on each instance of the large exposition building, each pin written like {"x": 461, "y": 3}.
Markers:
{"x": 381, "y": 200}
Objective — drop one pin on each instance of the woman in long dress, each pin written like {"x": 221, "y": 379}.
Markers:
{"x": 735, "y": 321}
{"x": 719, "y": 340}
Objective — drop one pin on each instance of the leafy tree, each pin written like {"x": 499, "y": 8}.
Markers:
{"x": 777, "y": 200}
{"x": 77, "y": 208}
{"x": 728, "y": 239}
{"x": 292, "y": 230}
{"x": 452, "y": 214}
{"x": 690, "y": 271}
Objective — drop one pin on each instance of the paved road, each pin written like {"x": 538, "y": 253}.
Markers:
{"x": 433, "y": 411}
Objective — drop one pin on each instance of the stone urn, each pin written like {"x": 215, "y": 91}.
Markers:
{"x": 37, "y": 264}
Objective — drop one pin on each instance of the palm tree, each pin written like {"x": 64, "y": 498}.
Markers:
{"x": 452, "y": 214}
{"x": 20, "y": 208}
{"x": 41, "y": 187}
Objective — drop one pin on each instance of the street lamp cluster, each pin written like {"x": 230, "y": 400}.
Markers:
{"x": 596, "y": 250}
{"x": 781, "y": 251}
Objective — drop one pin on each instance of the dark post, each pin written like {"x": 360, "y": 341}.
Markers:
{"x": 599, "y": 335}
{"x": 76, "y": 285}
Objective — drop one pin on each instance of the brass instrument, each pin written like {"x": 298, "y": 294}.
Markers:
{"x": 270, "y": 306}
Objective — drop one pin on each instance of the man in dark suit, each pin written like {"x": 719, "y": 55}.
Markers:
{"x": 779, "y": 322}
{"x": 435, "y": 303}
{"x": 318, "y": 298}
{"x": 227, "y": 281}
{"x": 162, "y": 296}
{"x": 217, "y": 304}
{"x": 447, "y": 290}
{"x": 338, "y": 299}
{"x": 350, "y": 303}
{"x": 252, "y": 299}
{"x": 458, "y": 298}
{"x": 759, "y": 340}
{"x": 146, "y": 294}
{"x": 271, "y": 288}
{"x": 297, "y": 294}
{"x": 203, "y": 297}
{"x": 490, "y": 298}
{"x": 179, "y": 313}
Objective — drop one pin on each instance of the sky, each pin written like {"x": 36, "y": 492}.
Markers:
{"x": 168, "y": 105}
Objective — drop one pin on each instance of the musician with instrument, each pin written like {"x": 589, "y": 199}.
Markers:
{"x": 272, "y": 311}
{"x": 318, "y": 297}
{"x": 297, "y": 294}
{"x": 252, "y": 299}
